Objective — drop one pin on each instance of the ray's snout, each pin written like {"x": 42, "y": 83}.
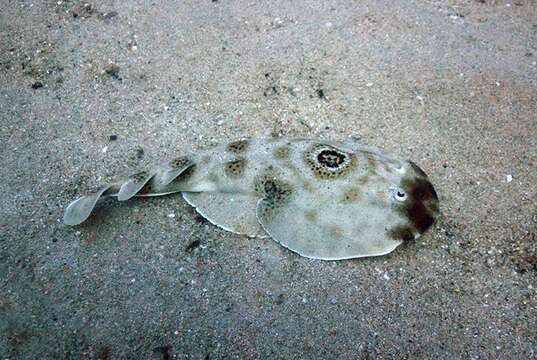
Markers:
{"x": 422, "y": 208}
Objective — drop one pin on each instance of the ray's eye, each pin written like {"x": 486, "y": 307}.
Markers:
{"x": 400, "y": 195}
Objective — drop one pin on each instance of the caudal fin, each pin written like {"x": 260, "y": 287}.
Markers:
{"x": 80, "y": 209}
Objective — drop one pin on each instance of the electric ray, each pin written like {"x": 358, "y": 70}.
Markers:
{"x": 323, "y": 200}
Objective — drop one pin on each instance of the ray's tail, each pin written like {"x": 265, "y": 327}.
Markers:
{"x": 164, "y": 180}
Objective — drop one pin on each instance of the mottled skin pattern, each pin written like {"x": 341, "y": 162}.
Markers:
{"x": 238, "y": 146}
{"x": 321, "y": 199}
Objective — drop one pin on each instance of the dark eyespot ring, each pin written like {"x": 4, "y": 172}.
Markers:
{"x": 328, "y": 162}
{"x": 331, "y": 158}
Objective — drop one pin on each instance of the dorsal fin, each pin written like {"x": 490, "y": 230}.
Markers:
{"x": 133, "y": 184}
{"x": 173, "y": 169}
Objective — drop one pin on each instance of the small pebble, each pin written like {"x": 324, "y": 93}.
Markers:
{"x": 509, "y": 178}
{"x": 113, "y": 137}
{"x": 171, "y": 216}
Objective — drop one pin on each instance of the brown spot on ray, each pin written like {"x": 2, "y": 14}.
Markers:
{"x": 238, "y": 146}
{"x": 277, "y": 194}
{"x": 282, "y": 152}
{"x": 179, "y": 162}
{"x": 235, "y": 167}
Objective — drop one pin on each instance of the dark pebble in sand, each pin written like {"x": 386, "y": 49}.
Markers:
{"x": 139, "y": 153}
{"x": 112, "y": 70}
{"x": 37, "y": 85}
{"x": 109, "y": 15}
